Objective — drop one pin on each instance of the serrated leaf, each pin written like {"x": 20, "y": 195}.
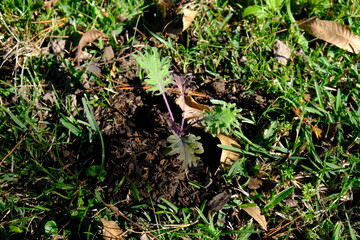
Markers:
{"x": 186, "y": 147}
{"x": 156, "y": 68}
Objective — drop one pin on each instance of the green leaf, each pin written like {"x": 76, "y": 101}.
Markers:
{"x": 135, "y": 192}
{"x": 274, "y": 5}
{"x": 16, "y": 119}
{"x": 257, "y": 11}
{"x": 278, "y": 198}
{"x": 15, "y": 229}
{"x": 157, "y": 70}
{"x": 187, "y": 147}
{"x": 96, "y": 171}
{"x": 337, "y": 231}
{"x": 51, "y": 227}
{"x": 170, "y": 204}
{"x": 223, "y": 119}
{"x": 90, "y": 115}
{"x": 71, "y": 127}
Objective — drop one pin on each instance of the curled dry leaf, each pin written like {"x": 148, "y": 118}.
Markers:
{"x": 111, "y": 230}
{"x": 88, "y": 37}
{"x": 333, "y": 32}
{"x": 192, "y": 110}
{"x": 255, "y": 213}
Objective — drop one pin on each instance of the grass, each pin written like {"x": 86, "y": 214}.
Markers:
{"x": 306, "y": 140}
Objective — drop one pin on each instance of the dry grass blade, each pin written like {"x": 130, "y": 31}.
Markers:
{"x": 333, "y": 32}
{"x": 88, "y": 37}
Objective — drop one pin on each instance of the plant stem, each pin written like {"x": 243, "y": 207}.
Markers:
{"x": 170, "y": 112}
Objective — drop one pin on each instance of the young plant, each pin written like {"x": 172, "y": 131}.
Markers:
{"x": 224, "y": 118}
{"x": 158, "y": 78}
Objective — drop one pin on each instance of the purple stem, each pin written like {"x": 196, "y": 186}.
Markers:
{"x": 182, "y": 114}
{"x": 170, "y": 112}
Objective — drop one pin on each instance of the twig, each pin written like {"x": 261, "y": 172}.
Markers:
{"x": 13, "y": 149}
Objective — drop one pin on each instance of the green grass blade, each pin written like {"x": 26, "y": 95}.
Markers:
{"x": 278, "y": 198}
{"x": 90, "y": 115}
{"x": 16, "y": 119}
{"x": 337, "y": 231}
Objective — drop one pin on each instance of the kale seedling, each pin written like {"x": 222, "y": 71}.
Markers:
{"x": 224, "y": 118}
{"x": 158, "y": 78}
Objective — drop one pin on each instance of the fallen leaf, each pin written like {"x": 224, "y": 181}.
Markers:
{"x": 111, "y": 230}
{"x": 88, "y": 37}
{"x": 333, "y": 32}
{"x": 291, "y": 202}
{"x": 307, "y": 97}
{"x": 48, "y": 4}
{"x": 188, "y": 18}
{"x": 58, "y": 46}
{"x": 144, "y": 237}
{"x": 254, "y": 183}
{"x": 281, "y": 52}
{"x": 192, "y": 110}
{"x": 219, "y": 201}
{"x": 255, "y": 213}
{"x": 228, "y": 157}
{"x": 297, "y": 111}
{"x": 108, "y": 53}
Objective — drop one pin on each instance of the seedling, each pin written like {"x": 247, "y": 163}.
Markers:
{"x": 223, "y": 118}
{"x": 158, "y": 78}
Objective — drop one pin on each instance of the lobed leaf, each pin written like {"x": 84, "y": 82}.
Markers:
{"x": 157, "y": 70}
{"x": 186, "y": 147}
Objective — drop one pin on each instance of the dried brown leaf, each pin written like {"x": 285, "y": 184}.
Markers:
{"x": 254, "y": 183}
{"x": 255, "y": 213}
{"x": 333, "y": 32}
{"x": 88, "y": 37}
{"x": 48, "y": 4}
{"x": 188, "y": 18}
{"x": 108, "y": 53}
{"x": 192, "y": 110}
{"x": 228, "y": 157}
{"x": 111, "y": 230}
